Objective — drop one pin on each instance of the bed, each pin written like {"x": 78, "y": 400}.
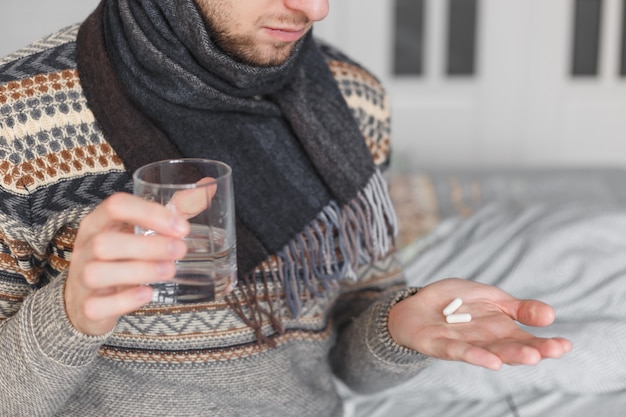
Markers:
{"x": 556, "y": 235}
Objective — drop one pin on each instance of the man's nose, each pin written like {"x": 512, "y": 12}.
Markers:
{"x": 315, "y": 10}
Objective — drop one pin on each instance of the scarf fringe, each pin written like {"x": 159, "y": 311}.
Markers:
{"x": 331, "y": 248}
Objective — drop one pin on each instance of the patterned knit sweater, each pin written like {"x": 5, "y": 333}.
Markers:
{"x": 193, "y": 360}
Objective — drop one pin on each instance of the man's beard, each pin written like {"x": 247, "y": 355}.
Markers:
{"x": 243, "y": 48}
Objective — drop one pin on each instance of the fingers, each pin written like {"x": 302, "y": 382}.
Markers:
{"x": 109, "y": 290}
{"x": 103, "y": 275}
{"x": 110, "y": 265}
{"x": 494, "y": 355}
{"x": 457, "y": 350}
{"x": 535, "y": 313}
{"x": 111, "y": 246}
{"x": 106, "y": 309}
{"x": 553, "y": 348}
{"x": 189, "y": 203}
{"x": 491, "y": 339}
{"x": 530, "y": 351}
{"x": 123, "y": 208}
{"x": 515, "y": 353}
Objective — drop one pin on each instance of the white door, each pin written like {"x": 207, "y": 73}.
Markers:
{"x": 522, "y": 107}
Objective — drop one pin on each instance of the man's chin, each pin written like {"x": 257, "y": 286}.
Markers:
{"x": 271, "y": 56}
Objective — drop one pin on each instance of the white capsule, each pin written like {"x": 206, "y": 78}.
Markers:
{"x": 459, "y": 318}
{"x": 452, "y": 307}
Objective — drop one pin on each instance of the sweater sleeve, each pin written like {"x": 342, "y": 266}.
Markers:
{"x": 42, "y": 357}
{"x": 365, "y": 357}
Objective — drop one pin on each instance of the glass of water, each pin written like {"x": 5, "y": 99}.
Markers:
{"x": 202, "y": 191}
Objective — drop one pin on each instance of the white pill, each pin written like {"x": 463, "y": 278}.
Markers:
{"x": 452, "y": 307}
{"x": 459, "y": 318}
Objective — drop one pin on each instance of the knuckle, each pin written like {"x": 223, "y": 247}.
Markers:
{"x": 99, "y": 246}
{"x": 91, "y": 275}
{"x": 114, "y": 205}
{"x": 116, "y": 199}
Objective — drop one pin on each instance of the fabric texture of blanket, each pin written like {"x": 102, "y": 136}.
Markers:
{"x": 557, "y": 236}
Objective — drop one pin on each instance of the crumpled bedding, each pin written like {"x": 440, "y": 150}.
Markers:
{"x": 558, "y": 236}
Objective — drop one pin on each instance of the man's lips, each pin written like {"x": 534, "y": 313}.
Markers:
{"x": 285, "y": 34}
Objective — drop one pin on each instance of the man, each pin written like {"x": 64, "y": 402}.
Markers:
{"x": 320, "y": 293}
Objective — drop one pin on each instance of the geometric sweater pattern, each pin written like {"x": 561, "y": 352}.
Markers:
{"x": 199, "y": 359}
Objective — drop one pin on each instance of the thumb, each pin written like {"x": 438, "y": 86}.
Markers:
{"x": 534, "y": 313}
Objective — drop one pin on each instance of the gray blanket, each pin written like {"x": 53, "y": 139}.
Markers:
{"x": 558, "y": 236}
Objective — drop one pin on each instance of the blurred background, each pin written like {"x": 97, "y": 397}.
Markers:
{"x": 25, "y": 21}
{"x": 474, "y": 83}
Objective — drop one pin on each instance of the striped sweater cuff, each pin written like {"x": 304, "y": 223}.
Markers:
{"x": 380, "y": 341}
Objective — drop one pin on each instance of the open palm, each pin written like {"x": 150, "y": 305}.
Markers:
{"x": 491, "y": 338}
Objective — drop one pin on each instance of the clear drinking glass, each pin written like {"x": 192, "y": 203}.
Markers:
{"x": 202, "y": 191}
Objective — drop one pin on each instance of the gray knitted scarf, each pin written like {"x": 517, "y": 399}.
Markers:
{"x": 305, "y": 182}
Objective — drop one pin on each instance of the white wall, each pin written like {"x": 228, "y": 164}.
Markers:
{"x": 523, "y": 109}
{"x": 25, "y": 21}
